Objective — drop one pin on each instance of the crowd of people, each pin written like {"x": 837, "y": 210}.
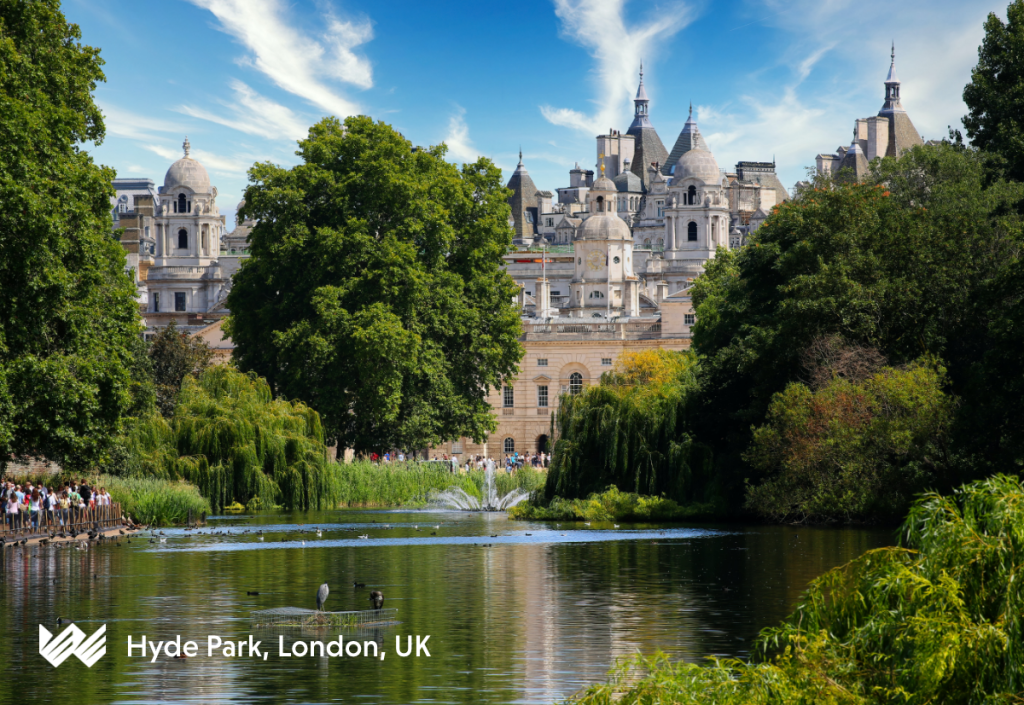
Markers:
{"x": 513, "y": 462}
{"x": 47, "y": 505}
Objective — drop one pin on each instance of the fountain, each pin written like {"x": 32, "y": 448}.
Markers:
{"x": 457, "y": 498}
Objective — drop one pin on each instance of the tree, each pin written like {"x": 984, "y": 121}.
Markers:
{"x": 375, "y": 290}
{"x": 900, "y": 264}
{"x": 68, "y": 315}
{"x": 174, "y": 355}
{"x": 852, "y": 449}
{"x": 995, "y": 95}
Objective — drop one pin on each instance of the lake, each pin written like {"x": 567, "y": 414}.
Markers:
{"x": 511, "y": 618}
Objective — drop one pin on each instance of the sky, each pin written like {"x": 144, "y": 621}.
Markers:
{"x": 768, "y": 79}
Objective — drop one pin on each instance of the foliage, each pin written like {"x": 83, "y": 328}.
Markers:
{"x": 900, "y": 266}
{"x": 364, "y": 484}
{"x": 155, "y": 501}
{"x": 852, "y": 450}
{"x": 68, "y": 315}
{"x": 613, "y": 505}
{"x": 235, "y": 441}
{"x": 174, "y": 355}
{"x": 995, "y": 95}
{"x": 631, "y": 431}
{"x": 375, "y": 290}
{"x": 938, "y": 621}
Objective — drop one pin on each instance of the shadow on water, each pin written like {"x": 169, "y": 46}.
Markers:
{"x": 516, "y": 612}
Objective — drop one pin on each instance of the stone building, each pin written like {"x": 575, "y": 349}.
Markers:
{"x": 178, "y": 250}
{"x": 888, "y": 134}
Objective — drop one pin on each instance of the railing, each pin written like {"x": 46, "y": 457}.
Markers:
{"x": 508, "y": 411}
{"x": 543, "y": 412}
{"x": 643, "y": 327}
{"x": 72, "y": 521}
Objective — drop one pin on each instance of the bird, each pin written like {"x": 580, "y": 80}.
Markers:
{"x": 261, "y": 538}
{"x": 356, "y": 584}
{"x": 61, "y": 620}
{"x": 163, "y": 540}
{"x": 586, "y": 523}
{"x": 615, "y": 525}
{"x": 365, "y": 536}
{"x": 529, "y": 534}
{"x": 321, "y": 597}
{"x": 319, "y": 533}
{"x": 377, "y": 599}
{"x": 247, "y": 592}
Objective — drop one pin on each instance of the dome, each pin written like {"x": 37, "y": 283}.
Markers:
{"x": 628, "y": 181}
{"x": 697, "y": 163}
{"x": 603, "y": 184}
{"x": 604, "y": 226}
{"x": 187, "y": 172}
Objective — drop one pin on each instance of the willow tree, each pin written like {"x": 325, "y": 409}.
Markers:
{"x": 633, "y": 431}
{"x": 233, "y": 439}
{"x": 375, "y": 290}
{"x": 68, "y": 318}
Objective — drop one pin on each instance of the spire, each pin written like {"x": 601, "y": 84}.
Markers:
{"x": 892, "y": 86}
{"x": 186, "y": 146}
{"x": 640, "y": 104}
{"x": 520, "y": 156}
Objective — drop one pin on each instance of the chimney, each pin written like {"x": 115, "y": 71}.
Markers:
{"x": 661, "y": 291}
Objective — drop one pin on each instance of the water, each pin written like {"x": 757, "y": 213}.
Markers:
{"x": 457, "y": 498}
{"x": 511, "y": 618}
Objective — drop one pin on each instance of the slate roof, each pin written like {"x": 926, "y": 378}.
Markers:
{"x": 524, "y": 196}
{"x": 689, "y": 138}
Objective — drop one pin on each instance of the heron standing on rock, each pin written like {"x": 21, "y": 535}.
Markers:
{"x": 321, "y": 597}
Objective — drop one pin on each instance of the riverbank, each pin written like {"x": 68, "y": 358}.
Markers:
{"x": 614, "y": 505}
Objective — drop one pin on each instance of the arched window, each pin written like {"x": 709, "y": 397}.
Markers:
{"x": 182, "y": 204}
{"x": 691, "y": 232}
{"x": 600, "y": 204}
{"x": 575, "y": 383}
{"x": 692, "y": 195}
{"x": 183, "y": 239}
{"x": 509, "y": 445}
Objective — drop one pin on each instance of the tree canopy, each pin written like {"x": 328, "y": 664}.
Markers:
{"x": 375, "y": 290}
{"x": 174, "y": 355}
{"x": 68, "y": 317}
{"x": 995, "y": 95}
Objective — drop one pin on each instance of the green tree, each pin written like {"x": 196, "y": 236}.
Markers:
{"x": 995, "y": 95}
{"x": 174, "y": 355}
{"x": 854, "y": 450}
{"x": 900, "y": 264}
{"x": 375, "y": 290}
{"x": 68, "y": 316}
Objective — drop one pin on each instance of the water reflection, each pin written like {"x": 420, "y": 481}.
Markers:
{"x": 511, "y": 617}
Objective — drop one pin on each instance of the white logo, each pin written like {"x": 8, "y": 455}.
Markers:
{"x": 72, "y": 641}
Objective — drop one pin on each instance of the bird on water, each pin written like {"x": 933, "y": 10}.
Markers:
{"x": 377, "y": 599}
{"x": 321, "y": 597}
{"x": 357, "y": 584}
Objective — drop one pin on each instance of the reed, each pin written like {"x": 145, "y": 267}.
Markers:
{"x": 154, "y": 501}
{"x": 613, "y": 505}
{"x": 364, "y": 484}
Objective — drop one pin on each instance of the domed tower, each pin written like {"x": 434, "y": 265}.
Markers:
{"x": 697, "y": 216}
{"x": 603, "y": 283}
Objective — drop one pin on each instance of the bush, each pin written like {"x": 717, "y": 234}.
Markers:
{"x": 939, "y": 620}
{"x": 613, "y": 505}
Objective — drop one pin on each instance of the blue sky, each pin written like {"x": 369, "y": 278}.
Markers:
{"x": 768, "y": 78}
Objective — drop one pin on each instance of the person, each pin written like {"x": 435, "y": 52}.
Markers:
{"x": 104, "y": 497}
{"x": 34, "y": 507}
{"x": 75, "y": 498}
{"x": 13, "y": 511}
{"x": 65, "y": 507}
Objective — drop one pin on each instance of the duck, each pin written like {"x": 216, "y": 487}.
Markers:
{"x": 356, "y": 584}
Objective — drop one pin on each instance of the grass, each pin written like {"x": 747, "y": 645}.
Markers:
{"x": 363, "y": 484}
{"x": 154, "y": 501}
{"x": 613, "y": 505}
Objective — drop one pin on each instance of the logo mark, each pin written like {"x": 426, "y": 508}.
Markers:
{"x": 72, "y": 642}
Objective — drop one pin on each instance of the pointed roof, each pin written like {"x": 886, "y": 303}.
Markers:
{"x": 524, "y": 197}
{"x": 648, "y": 146}
{"x": 892, "y": 78}
{"x": 902, "y": 133}
{"x": 689, "y": 138}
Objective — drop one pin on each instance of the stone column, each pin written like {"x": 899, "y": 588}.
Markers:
{"x": 670, "y": 232}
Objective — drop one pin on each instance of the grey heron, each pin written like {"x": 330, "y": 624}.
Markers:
{"x": 377, "y": 599}
{"x": 321, "y": 597}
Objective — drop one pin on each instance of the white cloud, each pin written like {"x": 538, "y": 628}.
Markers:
{"x": 294, "y": 60}
{"x": 124, "y": 123}
{"x": 253, "y": 114}
{"x": 230, "y": 166}
{"x": 460, "y": 146}
{"x": 599, "y": 25}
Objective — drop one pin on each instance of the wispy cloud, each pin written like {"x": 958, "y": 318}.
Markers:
{"x": 231, "y": 166}
{"x": 460, "y": 146}
{"x": 253, "y": 114}
{"x": 294, "y": 60}
{"x": 125, "y": 123}
{"x": 600, "y": 26}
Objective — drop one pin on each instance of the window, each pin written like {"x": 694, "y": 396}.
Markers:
{"x": 179, "y": 301}
{"x": 122, "y": 207}
{"x": 456, "y": 447}
{"x": 156, "y": 302}
{"x": 556, "y": 293}
{"x": 691, "y": 195}
{"x": 575, "y": 383}
{"x": 183, "y": 239}
{"x": 616, "y": 260}
{"x": 689, "y": 319}
{"x": 509, "y": 445}
{"x": 182, "y": 204}
{"x": 600, "y": 204}
{"x": 147, "y": 231}
{"x": 542, "y": 361}
{"x": 542, "y": 395}
{"x": 661, "y": 209}
{"x": 691, "y": 232}
{"x": 606, "y": 361}
{"x": 508, "y": 398}
{"x": 551, "y": 222}
{"x": 529, "y": 216}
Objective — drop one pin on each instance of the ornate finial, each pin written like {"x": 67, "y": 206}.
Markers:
{"x": 641, "y": 70}
{"x": 601, "y": 157}
{"x": 691, "y": 108}
{"x": 186, "y": 146}
{"x": 893, "y": 55}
